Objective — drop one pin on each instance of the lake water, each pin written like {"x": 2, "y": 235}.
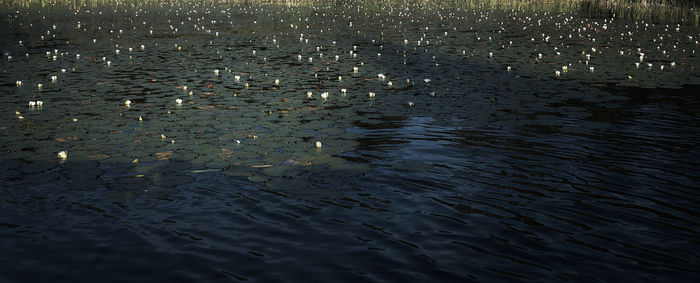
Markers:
{"x": 467, "y": 145}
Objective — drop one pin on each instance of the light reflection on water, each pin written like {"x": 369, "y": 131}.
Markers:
{"x": 496, "y": 175}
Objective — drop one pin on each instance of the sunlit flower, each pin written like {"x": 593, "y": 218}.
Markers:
{"x": 372, "y": 94}
{"x": 318, "y": 144}
{"x": 178, "y": 101}
{"x": 62, "y": 154}
{"x": 324, "y": 95}
{"x": 127, "y": 103}
{"x": 32, "y": 104}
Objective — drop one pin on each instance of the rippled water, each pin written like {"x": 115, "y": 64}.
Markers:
{"x": 460, "y": 170}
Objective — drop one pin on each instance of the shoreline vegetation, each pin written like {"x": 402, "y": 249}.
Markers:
{"x": 685, "y": 12}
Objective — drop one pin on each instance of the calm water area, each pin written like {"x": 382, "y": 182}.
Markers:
{"x": 333, "y": 141}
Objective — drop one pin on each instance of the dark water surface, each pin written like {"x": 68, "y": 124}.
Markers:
{"x": 461, "y": 170}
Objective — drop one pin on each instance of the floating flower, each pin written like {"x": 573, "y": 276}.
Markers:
{"x": 178, "y": 101}
{"x": 127, "y": 103}
{"x": 324, "y": 95}
{"x": 372, "y": 94}
{"x": 62, "y": 154}
{"x": 318, "y": 144}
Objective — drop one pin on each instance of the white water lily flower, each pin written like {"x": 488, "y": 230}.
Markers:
{"x": 178, "y": 101}
{"x": 371, "y": 95}
{"x": 62, "y": 154}
{"x": 318, "y": 144}
{"x": 127, "y": 102}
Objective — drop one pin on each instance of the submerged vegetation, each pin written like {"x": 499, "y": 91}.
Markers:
{"x": 339, "y": 140}
{"x": 656, "y": 11}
